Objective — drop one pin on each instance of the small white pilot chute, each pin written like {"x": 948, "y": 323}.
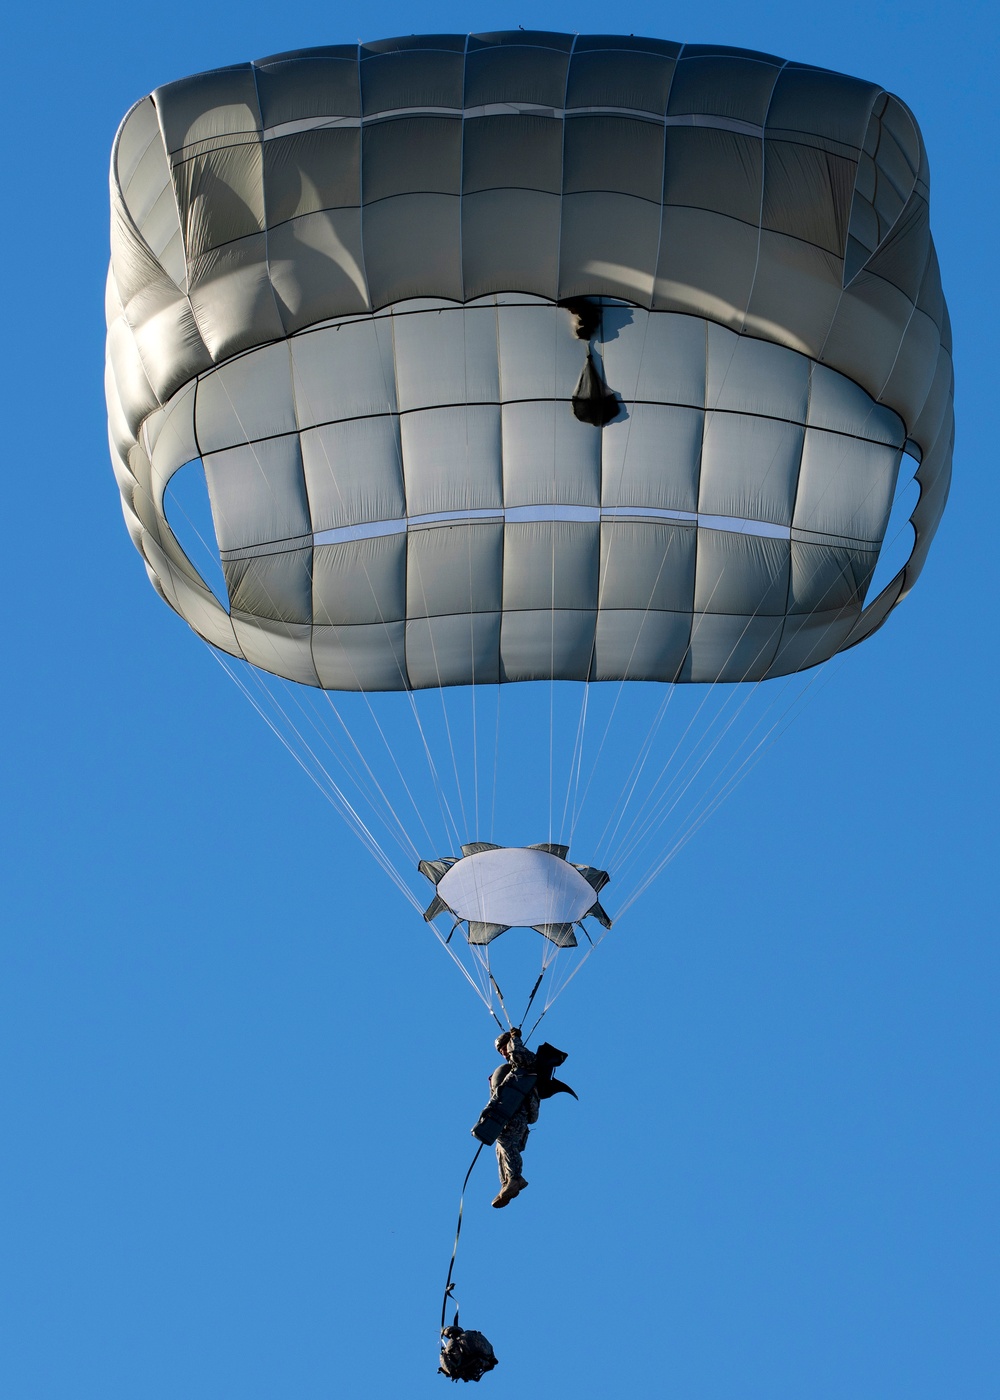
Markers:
{"x": 493, "y": 888}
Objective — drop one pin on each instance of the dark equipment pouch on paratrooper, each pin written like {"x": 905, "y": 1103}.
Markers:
{"x": 502, "y": 1106}
{"x": 548, "y": 1058}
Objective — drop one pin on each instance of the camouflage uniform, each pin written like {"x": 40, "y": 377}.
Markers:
{"x": 514, "y": 1136}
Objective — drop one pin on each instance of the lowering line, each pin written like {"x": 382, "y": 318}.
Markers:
{"x": 449, "y": 1286}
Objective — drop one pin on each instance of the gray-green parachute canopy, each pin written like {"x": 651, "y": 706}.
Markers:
{"x": 335, "y": 288}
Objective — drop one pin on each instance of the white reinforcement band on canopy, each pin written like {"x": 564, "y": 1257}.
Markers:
{"x": 516, "y": 886}
{"x": 582, "y": 514}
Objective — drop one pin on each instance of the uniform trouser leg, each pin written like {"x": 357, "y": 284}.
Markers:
{"x": 510, "y": 1145}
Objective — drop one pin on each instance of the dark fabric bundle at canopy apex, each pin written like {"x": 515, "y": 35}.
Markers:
{"x": 593, "y": 401}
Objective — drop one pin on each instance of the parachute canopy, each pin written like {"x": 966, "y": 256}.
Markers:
{"x": 335, "y": 289}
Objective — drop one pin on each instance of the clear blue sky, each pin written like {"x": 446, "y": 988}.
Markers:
{"x": 237, "y": 1074}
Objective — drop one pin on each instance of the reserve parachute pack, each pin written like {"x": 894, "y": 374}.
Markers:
{"x": 516, "y": 1088}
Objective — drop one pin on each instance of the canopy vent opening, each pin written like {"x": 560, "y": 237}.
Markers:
{"x": 188, "y": 512}
{"x": 899, "y": 538}
{"x": 586, "y": 316}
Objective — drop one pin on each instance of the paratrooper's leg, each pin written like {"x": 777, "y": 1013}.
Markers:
{"x": 510, "y": 1145}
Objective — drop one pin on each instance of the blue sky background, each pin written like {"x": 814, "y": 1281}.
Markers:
{"x": 237, "y": 1073}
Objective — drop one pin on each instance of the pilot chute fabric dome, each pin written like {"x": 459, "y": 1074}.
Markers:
{"x": 335, "y": 283}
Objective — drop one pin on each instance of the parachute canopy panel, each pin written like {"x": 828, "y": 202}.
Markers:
{"x": 527, "y": 356}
